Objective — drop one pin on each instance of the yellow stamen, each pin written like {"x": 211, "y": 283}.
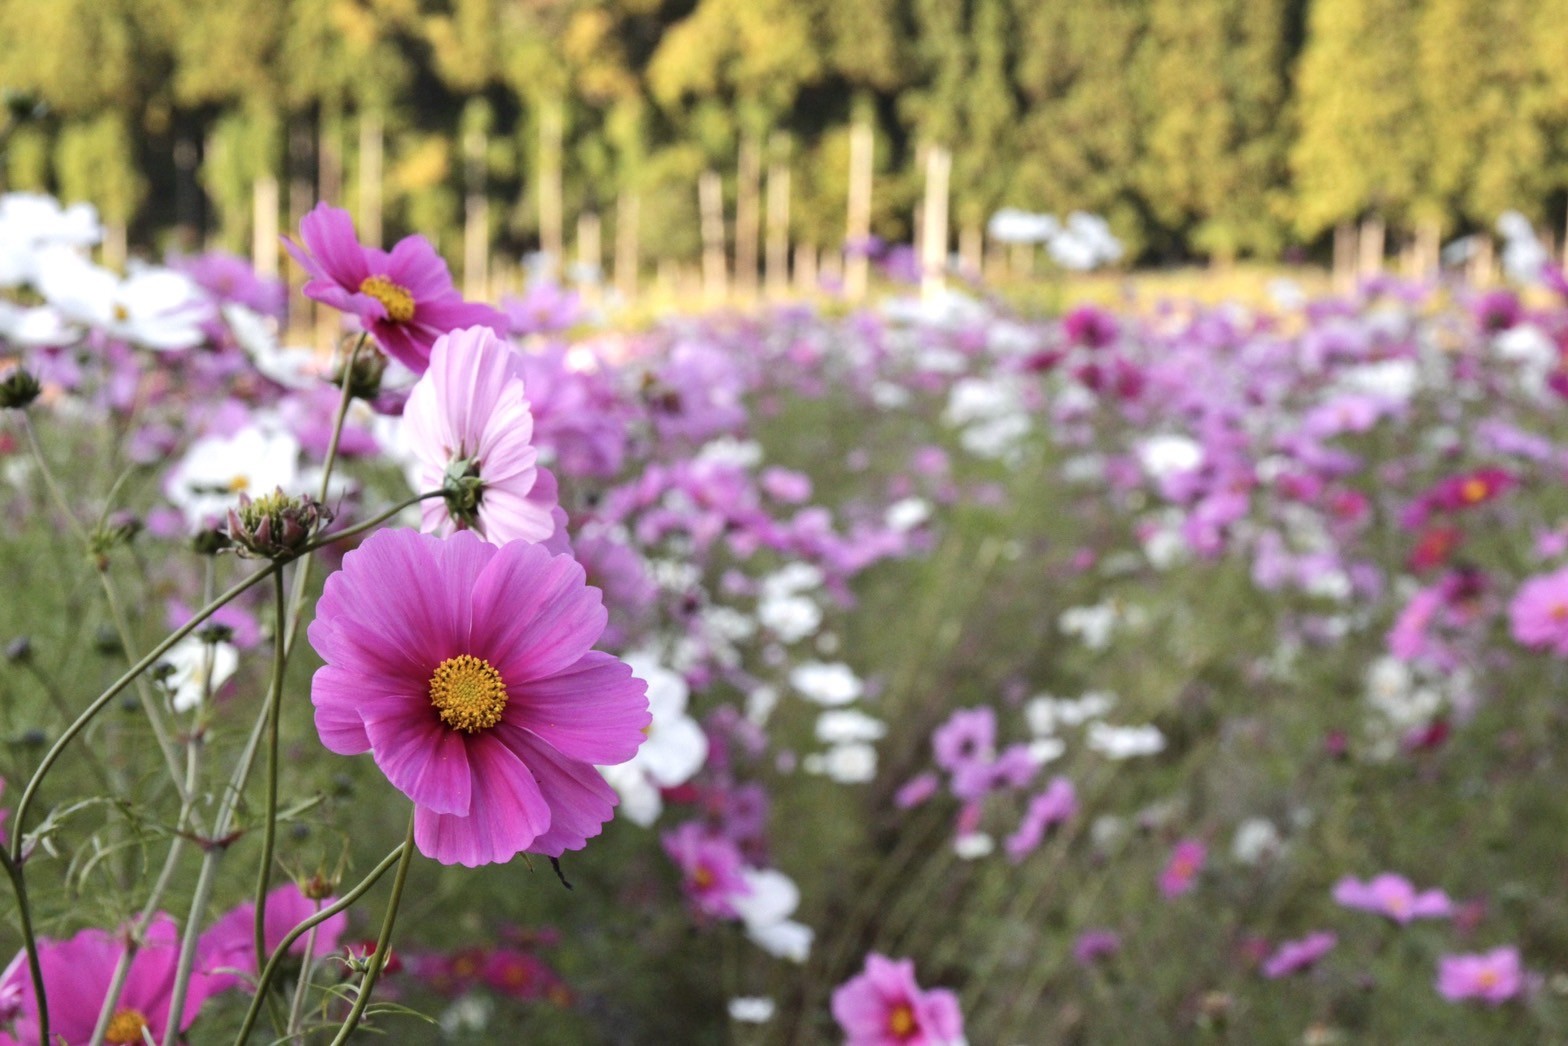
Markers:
{"x": 239, "y": 483}
{"x": 703, "y": 877}
{"x": 125, "y": 1028}
{"x": 468, "y": 692}
{"x": 1474, "y": 490}
{"x": 397, "y": 299}
{"x": 901, "y": 1022}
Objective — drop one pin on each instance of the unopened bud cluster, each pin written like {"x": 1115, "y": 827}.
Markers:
{"x": 276, "y": 525}
{"x": 18, "y": 388}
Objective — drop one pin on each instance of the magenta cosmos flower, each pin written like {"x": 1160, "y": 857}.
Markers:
{"x": 470, "y": 432}
{"x": 467, "y": 671}
{"x": 77, "y": 975}
{"x": 1180, "y": 873}
{"x": 1393, "y": 896}
{"x": 884, "y": 1006}
{"x": 1492, "y": 977}
{"x": 712, "y": 869}
{"x": 1538, "y": 615}
{"x": 404, "y": 297}
{"x": 1300, "y": 954}
{"x": 228, "y": 948}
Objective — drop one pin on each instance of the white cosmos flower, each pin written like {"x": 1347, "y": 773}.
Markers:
{"x": 790, "y": 617}
{"x": 675, "y": 750}
{"x": 217, "y": 469}
{"x": 293, "y": 368}
{"x": 34, "y": 326}
{"x": 828, "y": 683}
{"x": 153, "y": 307}
{"x": 852, "y": 763}
{"x": 199, "y": 668}
{"x": 766, "y": 909}
{"x": 1013, "y": 225}
{"x": 1125, "y": 742}
{"x": 842, "y": 726}
{"x": 31, "y": 222}
{"x": 751, "y": 1009}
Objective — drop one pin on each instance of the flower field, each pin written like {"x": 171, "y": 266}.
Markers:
{"x": 928, "y": 672}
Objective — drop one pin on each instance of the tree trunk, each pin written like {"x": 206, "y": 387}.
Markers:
{"x": 1370, "y": 249}
{"x": 933, "y": 246}
{"x": 476, "y": 219}
{"x": 1344, "y": 258}
{"x": 301, "y": 168}
{"x": 551, "y": 228}
{"x": 264, "y": 226}
{"x": 710, "y": 203}
{"x": 778, "y": 230}
{"x": 628, "y": 209}
{"x": 857, "y": 233}
{"x": 806, "y": 281}
{"x": 329, "y": 149}
{"x": 971, "y": 249}
{"x": 370, "y": 167}
{"x": 589, "y": 255}
{"x": 749, "y": 174}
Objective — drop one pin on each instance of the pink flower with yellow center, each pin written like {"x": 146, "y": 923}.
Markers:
{"x": 885, "y": 1006}
{"x": 1538, "y": 614}
{"x": 404, "y": 297}
{"x": 467, "y": 671}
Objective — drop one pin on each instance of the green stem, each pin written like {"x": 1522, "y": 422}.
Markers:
{"x": 149, "y": 700}
{"x": 359, "y": 528}
{"x": 55, "y": 493}
{"x": 302, "y": 574}
{"x": 270, "y": 824}
{"x": 29, "y": 942}
{"x": 281, "y": 952}
{"x": 383, "y": 942}
{"x": 80, "y": 724}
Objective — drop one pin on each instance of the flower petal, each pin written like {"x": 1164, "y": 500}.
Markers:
{"x": 506, "y": 815}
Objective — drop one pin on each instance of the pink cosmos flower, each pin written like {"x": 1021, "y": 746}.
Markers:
{"x": 712, "y": 869}
{"x": 884, "y": 1006}
{"x": 1181, "y": 871}
{"x": 470, "y": 430}
{"x": 1057, "y": 804}
{"x": 1538, "y": 615}
{"x": 1393, "y": 896}
{"x": 404, "y": 297}
{"x": 1094, "y": 945}
{"x": 227, "y": 951}
{"x": 1491, "y": 977}
{"x": 77, "y": 974}
{"x": 466, "y": 670}
{"x": 1295, "y": 956}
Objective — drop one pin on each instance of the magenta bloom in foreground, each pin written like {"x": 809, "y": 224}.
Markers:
{"x": 228, "y": 948}
{"x": 471, "y": 435}
{"x": 467, "y": 671}
{"x": 1181, "y": 872}
{"x": 1492, "y": 977}
{"x": 1393, "y": 896}
{"x": 1295, "y": 956}
{"x": 1538, "y": 615}
{"x": 884, "y": 1006}
{"x": 77, "y": 975}
{"x": 404, "y": 297}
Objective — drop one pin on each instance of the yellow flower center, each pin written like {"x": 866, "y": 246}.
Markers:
{"x": 468, "y": 692}
{"x": 703, "y": 878}
{"x": 1474, "y": 490}
{"x": 901, "y": 1022}
{"x": 1559, "y": 612}
{"x": 1488, "y": 979}
{"x": 238, "y": 483}
{"x": 125, "y": 1028}
{"x": 397, "y": 299}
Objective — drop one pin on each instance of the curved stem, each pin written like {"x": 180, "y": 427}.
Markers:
{"x": 383, "y": 941}
{"x": 150, "y": 707}
{"x": 29, "y": 942}
{"x": 302, "y": 986}
{"x": 358, "y": 528}
{"x": 55, "y": 493}
{"x": 270, "y": 824}
{"x": 282, "y": 950}
{"x": 80, "y": 724}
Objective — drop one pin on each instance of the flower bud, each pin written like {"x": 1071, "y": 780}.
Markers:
{"x": 364, "y": 377}
{"x": 18, "y": 388}
{"x": 19, "y": 650}
{"x": 210, "y": 541}
{"x": 276, "y": 525}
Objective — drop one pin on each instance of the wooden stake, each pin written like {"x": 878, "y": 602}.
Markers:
{"x": 971, "y": 249}
{"x": 589, "y": 256}
{"x": 264, "y": 226}
{"x": 806, "y": 268}
{"x": 857, "y": 232}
